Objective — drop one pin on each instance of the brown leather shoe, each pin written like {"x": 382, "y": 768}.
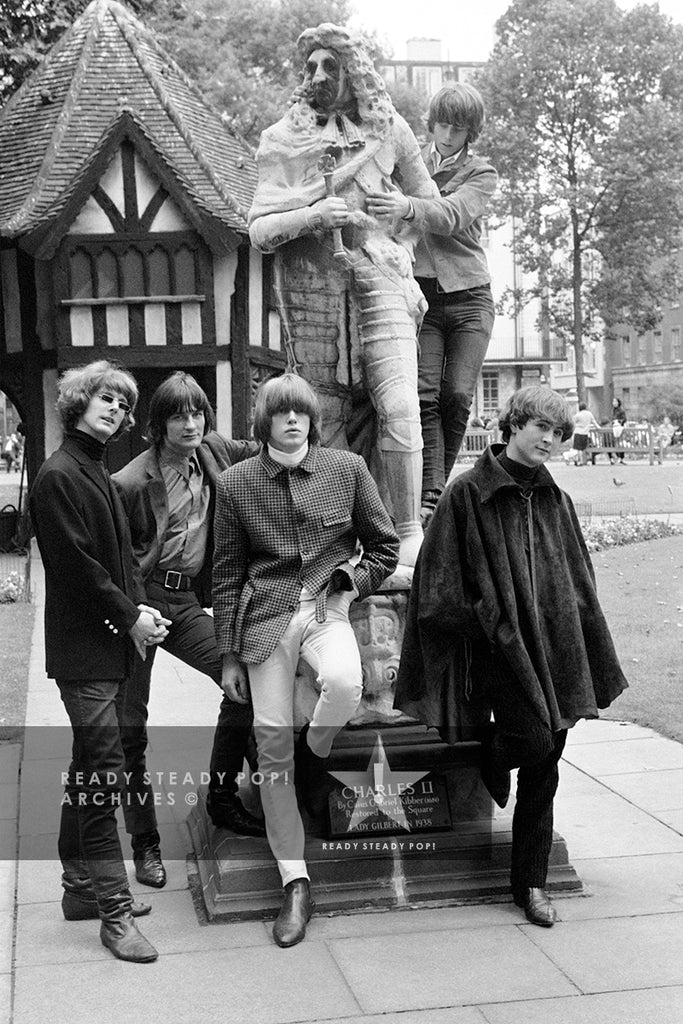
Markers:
{"x": 295, "y": 913}
{"x": 537, "y": 907}
{"x": 75, "y": 908}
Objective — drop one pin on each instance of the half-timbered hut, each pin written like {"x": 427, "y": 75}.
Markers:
{"x": 123, "y": 204}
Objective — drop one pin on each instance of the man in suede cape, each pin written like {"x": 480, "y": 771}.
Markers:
{"x": 475, "y": 603}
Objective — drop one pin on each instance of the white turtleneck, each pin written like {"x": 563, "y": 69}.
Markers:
{"x": 289, "y": 459}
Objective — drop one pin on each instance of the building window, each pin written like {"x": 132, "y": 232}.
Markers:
{"x": 489, "y": 379}
{"x": 642, "y": 349}
{"x": 657, "y": 336}
{"x": 626, "y": 350}
{"x": 676, "y": 344}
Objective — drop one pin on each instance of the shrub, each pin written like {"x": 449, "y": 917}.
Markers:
{"x": 12, "y": 588}
{"x": 626, "y": 530}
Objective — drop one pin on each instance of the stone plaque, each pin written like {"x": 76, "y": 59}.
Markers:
{"x": 398, "y": 808}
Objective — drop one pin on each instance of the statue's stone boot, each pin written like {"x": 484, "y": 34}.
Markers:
{"x": 404, "y": 481}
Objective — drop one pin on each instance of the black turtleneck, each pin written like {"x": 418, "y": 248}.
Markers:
{"x": 522, "y": 475}
{"x": 88, "y": 444}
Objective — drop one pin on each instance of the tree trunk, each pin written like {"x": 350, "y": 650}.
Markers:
{"x": 577, "y": 267}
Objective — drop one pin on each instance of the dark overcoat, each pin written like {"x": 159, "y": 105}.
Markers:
{"x": 91, "y": 590}
{"x": 504, "y": 577}
{"x": 142, "y": 487}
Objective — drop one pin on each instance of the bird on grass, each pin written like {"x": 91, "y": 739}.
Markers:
{"x": 617, "y": 482}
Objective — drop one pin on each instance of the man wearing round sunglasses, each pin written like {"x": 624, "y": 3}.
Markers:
{"x": 94, "y": 624}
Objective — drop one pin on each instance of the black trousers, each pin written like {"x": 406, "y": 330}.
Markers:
{"x": 89, "y": 846}
{"x": 521, "y": 740}
{"x": 191, "y": 638}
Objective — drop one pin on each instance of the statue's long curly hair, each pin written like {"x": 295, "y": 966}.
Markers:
{"x": 375, "y": 109}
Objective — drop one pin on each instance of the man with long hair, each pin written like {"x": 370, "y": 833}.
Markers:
{"x": 288, "y": 523}
{"x": 169, "y": 493}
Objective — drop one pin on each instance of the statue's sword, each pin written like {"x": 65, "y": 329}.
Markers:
{"x": 326, "y": 166}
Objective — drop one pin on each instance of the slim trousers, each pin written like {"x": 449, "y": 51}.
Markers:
{"x": 88, "y": 844}
{"x": 330, "y": 648}
{"x": 192, "y": 639}
{"x": 453, "y": 339}
{"x": 523, "y": 741}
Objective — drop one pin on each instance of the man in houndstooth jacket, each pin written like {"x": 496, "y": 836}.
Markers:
{"x": 287, "y": 526}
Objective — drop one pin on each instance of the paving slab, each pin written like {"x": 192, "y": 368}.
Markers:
{"x": 656, "y": 753}
{"x": 9, "y": 795}
{"x": 41, "y": 796}
{"x": 47, "y": 743}
{"x": 448, "y": 1015}
{"x": 394, "y": 972}
{"x": 653, "y": 791}
{"x": 260, "y": 985}
{"x": 44, "y": 937}
{"x": 616, "y": 954}
{"x": 10, "y": 757}
{"x": 45, "y": 707}
{"x": 627, "y": 886}
{"x": 5, "y": 997}
{"x": 412, "y": 922}
{"x": 605, "y": 825}
{"x": 606, "y": 730}
{"x": 674, "y": 819}
{"x": 6, "y": 939}
{"x": 660, "y": 1006}
{"x": 8, "y": 882}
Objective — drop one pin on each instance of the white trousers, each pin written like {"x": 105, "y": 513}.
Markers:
{"x": 330, "y": 648}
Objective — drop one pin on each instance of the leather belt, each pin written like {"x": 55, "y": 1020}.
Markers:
{"x": 172, "y": 580}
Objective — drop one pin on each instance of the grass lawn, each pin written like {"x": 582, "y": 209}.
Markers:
{"x": 641, "y": 591}
{"x": 16, "y": 626}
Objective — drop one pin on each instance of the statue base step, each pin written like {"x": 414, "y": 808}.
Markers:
{"x": 452, "y": 850}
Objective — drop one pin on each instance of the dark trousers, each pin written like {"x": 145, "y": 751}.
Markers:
{"x": 192, "y": 639}
{"x": 453, "y": 340}
{"x": 89, "y": 846}
{"x": 523, "y": 741}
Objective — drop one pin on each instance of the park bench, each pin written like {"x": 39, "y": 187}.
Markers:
{"x": 475, "y": 441}
{"x": 634, "y": 440}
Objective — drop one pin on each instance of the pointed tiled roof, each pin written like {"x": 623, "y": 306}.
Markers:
{"x": 107, "y": 68}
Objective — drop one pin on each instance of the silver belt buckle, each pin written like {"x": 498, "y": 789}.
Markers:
{"x": 173, "y": 579}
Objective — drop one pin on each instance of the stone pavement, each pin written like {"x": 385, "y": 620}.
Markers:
{"x": 615, "y": 955}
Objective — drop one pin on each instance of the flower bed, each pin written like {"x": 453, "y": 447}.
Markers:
{"x": 626, "y": 530}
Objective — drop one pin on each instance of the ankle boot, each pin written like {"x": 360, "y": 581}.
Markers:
{"x": 119, "y": 932}
{"x": 149, "y": 869}
{"x": 295, "y": 913}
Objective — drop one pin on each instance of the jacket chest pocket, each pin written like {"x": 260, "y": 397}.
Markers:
{"x": 336, "y": 524}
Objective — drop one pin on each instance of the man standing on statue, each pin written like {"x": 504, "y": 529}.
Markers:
{"x": 349, "y": 305}
{"x": 452, "y": 272}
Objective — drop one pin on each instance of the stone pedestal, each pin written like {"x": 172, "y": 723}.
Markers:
{"x": 367, "y": 853}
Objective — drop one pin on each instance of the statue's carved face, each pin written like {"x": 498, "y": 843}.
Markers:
{"x": 326, "y": 80}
